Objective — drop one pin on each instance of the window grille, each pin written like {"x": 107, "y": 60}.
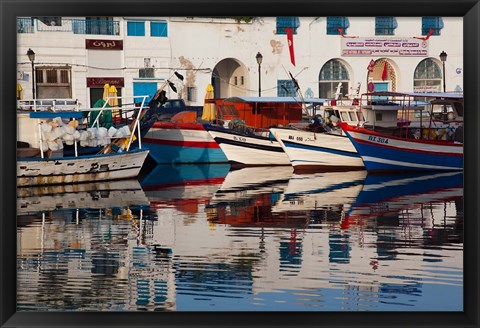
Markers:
{"x": 286, "y": 88}
{"x": 146, "y": 72}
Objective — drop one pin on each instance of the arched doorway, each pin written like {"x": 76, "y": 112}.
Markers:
{"x": 427, "y": 76}
{"x": 229, "y": 78}
{"x": 331, "y": 74}
{"x": 383, "y": 75}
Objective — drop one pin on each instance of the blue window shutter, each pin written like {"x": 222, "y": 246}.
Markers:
{"x": 158, "y": 29}
{"x": 284, "y": 22}
{"x": 144, "y": 89}
{"x": 385, "y": 25}
{"x": 432, "y": 22}
{"x": 336, "y": 22}
{"x": 136, "y": 28}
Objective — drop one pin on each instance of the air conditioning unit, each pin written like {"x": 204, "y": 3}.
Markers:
{"x": 146, "y": 72}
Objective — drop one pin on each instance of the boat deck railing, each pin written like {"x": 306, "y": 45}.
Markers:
{"x": 135, "y": 109}
{"x": 53, "y": 105}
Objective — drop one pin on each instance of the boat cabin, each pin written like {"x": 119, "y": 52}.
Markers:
{"x": 419, "y": 115}
{"x": 264, "y": 112}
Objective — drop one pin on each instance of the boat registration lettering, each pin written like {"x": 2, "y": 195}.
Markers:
{"x": 239, "y": 139}
{"x": 378, "y": 139}
{"x": 295, "y": 138}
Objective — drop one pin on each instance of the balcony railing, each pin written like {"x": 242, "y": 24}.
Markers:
{"x": 77, "y": 26}
{"x": 25, "y": 25}
{"x": 102, "y": 27}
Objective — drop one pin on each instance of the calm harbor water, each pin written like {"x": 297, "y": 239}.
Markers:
{"x": 203, "y": 238}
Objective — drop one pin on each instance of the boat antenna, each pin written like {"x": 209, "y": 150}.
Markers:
{"x": 299, "y": 92}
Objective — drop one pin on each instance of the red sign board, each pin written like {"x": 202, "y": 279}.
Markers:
{"x": 104, "y": 44}
{"x": 99, "y": 82}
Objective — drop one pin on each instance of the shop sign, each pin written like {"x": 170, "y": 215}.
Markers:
{"x": 104, "y": 44}
{"x": 99, "y": 82}
{"x": 384, "y": 47}
{"x": 427, "y": 88}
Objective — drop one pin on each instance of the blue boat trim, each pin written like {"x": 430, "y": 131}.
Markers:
{"x": 249, "y": 145}
{"x": 291, "y": 144}
{"x": 332, "y": 187}
{"x": 63, "y": 114}
{"x": 167, "y": 154}
{"x": 81, "y": 173}
{"x": 73, "y": 158}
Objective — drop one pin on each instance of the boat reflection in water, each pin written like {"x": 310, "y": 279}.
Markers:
{"x": 183, "y": 186}
{"x": 99, "y": 195}
{"x": 256, "y": 239}
{"x": 321, "y": 191}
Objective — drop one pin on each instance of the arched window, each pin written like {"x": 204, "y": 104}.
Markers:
{"x": 427, "y": 77}
{"x": 332, "y": 73}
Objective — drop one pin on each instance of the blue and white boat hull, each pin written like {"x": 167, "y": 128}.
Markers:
{"x": 385, "y": 153}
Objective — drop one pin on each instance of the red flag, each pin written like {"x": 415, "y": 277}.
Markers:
{"x": 289, "y": 31}
{"x": 385, "y": 73}
{"x": 371, "y": 65}
{"x": 426, "y": 37}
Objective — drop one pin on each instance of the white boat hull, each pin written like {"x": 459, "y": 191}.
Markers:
{"x": 309, "y": 151}
{"x": 250, "y": 150}
{"x": 38, "y": 171}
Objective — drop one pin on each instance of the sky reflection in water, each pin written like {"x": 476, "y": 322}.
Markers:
{"x": 201, "y": 238}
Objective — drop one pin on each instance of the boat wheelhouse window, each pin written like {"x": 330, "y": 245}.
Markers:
{"x": 345, "y": 117}
{"x": 352, "y": 116}
{"x": 459, "y": 107}
{"x": 378, "y": 116}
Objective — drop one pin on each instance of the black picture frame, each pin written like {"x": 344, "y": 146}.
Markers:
{"x": 10, "y": 9}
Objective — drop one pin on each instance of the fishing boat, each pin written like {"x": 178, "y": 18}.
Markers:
{"x": 183, "y": 138}
{"x": 188, "y": 142}
{"x": 322, "y": 146}
{"x": 247, "y": 141}
{"x": 433, "y": 143}
{"x": 48, "y": 127}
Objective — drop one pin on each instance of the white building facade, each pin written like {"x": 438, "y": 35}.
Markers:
{"x": 75, "y": 57}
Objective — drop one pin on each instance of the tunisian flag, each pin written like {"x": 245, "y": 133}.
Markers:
{"x": 385, "y": 71}
{"x": 289, "y": 31}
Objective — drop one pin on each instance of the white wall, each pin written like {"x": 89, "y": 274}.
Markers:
{"x": 195, "y": 46}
